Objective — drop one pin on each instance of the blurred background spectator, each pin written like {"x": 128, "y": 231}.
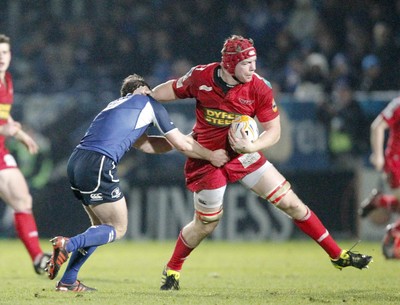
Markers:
{"x": 347, "y": 126}
{"x": 64, "y": 45}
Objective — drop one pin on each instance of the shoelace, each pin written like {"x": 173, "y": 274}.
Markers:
{"x": 356, "y": 256}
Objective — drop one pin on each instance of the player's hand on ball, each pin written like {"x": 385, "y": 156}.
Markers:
{"x": 219, "y": 157}
{"x": 243, "y": 131}
{"x": 241, "y": 145}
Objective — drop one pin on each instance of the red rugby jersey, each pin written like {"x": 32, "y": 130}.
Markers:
{"x": 215, "y": 110}
{"x": 6, "y": 100}
{"x": 391, "y": 114}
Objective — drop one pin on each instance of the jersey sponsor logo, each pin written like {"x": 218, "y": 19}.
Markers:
{"x": 116, "y": 193}
{"x": 96, "y": 196}
{"x": 249, "y": 159}
{"x": 245, "y": 102}
{"x": 218, "y": 117}
{"x": 5, "y": 111}
{"x": 205, "y": 88}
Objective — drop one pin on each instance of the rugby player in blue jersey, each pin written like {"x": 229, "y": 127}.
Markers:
{"x": 92, "y": 171}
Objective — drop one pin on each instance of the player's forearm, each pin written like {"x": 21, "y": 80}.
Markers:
{"x": 270, "y": 136}
{"x": 193, "y": 149}
{"x": 266, "y": 140}
{"x": 377, "y": 138}
{"x": 187, "y": 145}
{"x": 377, "y": 141}
{"x": 164, "y": 92}
{"x": 199, "y": 152}
{"x": 10, "y": 128}
{"x": 20, "y": 135}
{"x": 154, "y": 145}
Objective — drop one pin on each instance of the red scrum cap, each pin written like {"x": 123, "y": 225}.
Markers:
{"x": 236, "y": 48}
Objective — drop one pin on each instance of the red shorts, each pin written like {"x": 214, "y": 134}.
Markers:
{"x": 202, "y": 175}
{"x": 6, "y": 159}
{"x": 392, "y": 169}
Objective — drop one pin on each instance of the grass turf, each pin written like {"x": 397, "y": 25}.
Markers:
{"x": 127, "y": 272}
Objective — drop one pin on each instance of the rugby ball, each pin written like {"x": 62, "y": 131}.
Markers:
{"x": 246, "y": 123}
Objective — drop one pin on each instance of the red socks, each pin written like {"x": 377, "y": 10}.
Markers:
{"x": 312, "y": 226}
{"x": 309, "y": 224}
{"x": 181, "y": 252}
{"x": 25, "y": 226}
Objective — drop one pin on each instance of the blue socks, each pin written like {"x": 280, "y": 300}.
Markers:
{"x": 77, "y": 259}
{"x": 94, "y": 236}
{"x": 82, "y": 246}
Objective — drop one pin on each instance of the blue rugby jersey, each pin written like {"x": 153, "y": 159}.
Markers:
{"x": 117, "y": 127}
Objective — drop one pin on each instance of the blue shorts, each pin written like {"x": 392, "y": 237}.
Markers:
{"x": 93, "y": 177}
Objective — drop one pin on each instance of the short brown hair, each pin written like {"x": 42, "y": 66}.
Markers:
{"x": 4, "y": 39}
{"x": 131, "y": 83}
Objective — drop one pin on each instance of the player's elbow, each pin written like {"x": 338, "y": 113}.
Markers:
{"x": 274, "y": 137}
{"x": 181, "y": 142}
{"x": 277, "y": 138}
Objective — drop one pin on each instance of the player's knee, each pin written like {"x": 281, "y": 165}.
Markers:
{"x": 210, "y": 216}
{"x": 277, "y": 195}
{"x": 204, "y": 228}
{"x": 286, "y": 200}
{"x": 21, "y": 203}
{"x": 120, "y": 231}
{"x": 208, "y": 206}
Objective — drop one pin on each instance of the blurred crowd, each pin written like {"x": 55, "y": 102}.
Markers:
{"x": 305, "y": 47}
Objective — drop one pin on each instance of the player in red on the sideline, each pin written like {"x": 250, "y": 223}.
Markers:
{"x": 385, "y": 159}
{"x": 13, "y": 187}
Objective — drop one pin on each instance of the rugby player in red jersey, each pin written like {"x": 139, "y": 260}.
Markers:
{"x": 13, "y": 187}
{"x": 385, "y": 159}
{"x": 223, "y": 90}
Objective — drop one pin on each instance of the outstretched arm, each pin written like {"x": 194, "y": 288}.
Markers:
{"x": 13, "y": 128}
{"x": 153, "y": 144}
{"x": 191, "y": 148}
{"x": 164, "y": 92}
{"x": 185, "y": 144}
{"x": 28, "y": 141}
{"x": 10, "y": 129}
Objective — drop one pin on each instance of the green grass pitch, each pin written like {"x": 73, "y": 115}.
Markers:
{"x": 128, "y": 272}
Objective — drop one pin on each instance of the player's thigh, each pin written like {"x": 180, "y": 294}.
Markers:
{"x": 264, "y": 180}
{"x": 274, "y": 187}
{"x": 208, "y": 205}
{"x": 112, "y": 213}
{"x": 94, "y": 220}
{"x": 14, "y": 189}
